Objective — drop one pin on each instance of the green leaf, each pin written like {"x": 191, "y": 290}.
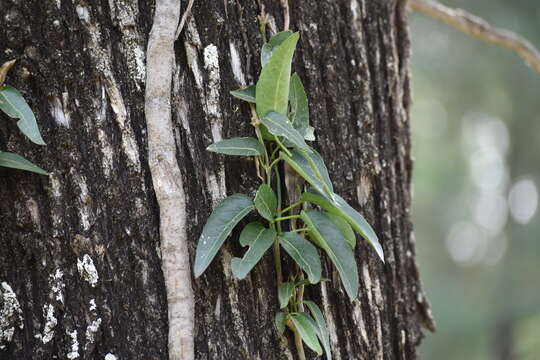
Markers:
{"x": 14, "y": 105}
{"x": 251, "y": 232}
{"x": 221, "y": 222}
{"x": 15, "y": 161}
{"x": 244, "y": 146}
{"x": 266, "y": 202}
{"x": 271, "y": 45}
{"x": 304, "y": 168}
{"x": 285, "y": 291}
{"x": 308, "y": 332}
{"x": 279, "y": 322}
{"x": 257, "y": 248}
{"x": 317, "y": 164}
{"x": 339, "y": 206}
{"x": 299, "y": 114}
{"x": 246, "y": 94}
{"x": 323, "y": 334}
{"x": 304, "y": 253}
{"x": 279, "y": 125}
{"x": 329, "y": 238}
{"x": 272, "y": 93}
{"x": 344, "y": 227}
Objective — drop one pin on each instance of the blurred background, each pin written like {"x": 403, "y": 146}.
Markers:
{"x": 476, "y": 143}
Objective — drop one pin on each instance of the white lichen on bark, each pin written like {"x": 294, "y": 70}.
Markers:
{"x": 91, "y": 331}
{"x": 57, "y": 286}
{"x": 50, "y": 324}
{"x": 87, "y": 270}
{"x": 74, "y": 350}
{"x": 167, "y": 179}
{"x": 10, "y": 314}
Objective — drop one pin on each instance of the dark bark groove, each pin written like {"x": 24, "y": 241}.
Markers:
{"x": 81, "y": 68}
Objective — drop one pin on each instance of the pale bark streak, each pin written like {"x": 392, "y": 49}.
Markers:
{"x": 479, "y": 28}
{"x": 167, "y": 180}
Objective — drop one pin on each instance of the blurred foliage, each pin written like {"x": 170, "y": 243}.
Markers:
{"x": 476, "y": 143}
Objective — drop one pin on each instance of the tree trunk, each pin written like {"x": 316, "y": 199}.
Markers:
{"x": 80, "y": 258}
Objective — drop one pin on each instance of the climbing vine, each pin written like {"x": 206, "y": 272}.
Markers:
{"x": 13, "y": 105}
{"x": 300, "y": 213}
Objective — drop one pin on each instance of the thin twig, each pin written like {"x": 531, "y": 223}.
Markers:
{"x": 184, "y": 19}
{"x": 286, "y": 15}
{"x": 479, "y": 28}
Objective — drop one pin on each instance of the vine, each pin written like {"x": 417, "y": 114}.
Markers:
{"x": 13, "y": 105}
{"x": 314, "y": 216}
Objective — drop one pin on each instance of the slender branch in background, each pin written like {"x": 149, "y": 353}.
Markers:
{"x": 286, "y": 15}
{"x": 479, "y": 28}
{"x": 184, "y": 19}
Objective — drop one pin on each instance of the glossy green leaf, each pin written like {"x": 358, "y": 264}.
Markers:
{"x": 279, "y": 125}
{"x": 246, "y": 94}
{"x": 340, "y": 207}
{"x": 344, "y": 227}
{"x": 269, "y": 47}
{"x": 285, "y": 291}
{"x": 14, "y": 105}
{"x": 244, "y": 146}
{"x": 15, "y": 161}
{"x": 304, "y": 254}
{"x": 303, "y": 167}
{"x": 323, "y": 334}
{"x": 325, "y": 234}
{"x": 279, "y": 322}
{"x": 272, "y": 93}
{"x": 266, "y": 202}
{"x": 221, "y": 222}
{"x": 299, "y": 113}
{"x": 257, "y": 248}
{"x": 308, "y": 331}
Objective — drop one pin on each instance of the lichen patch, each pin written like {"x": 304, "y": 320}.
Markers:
{"x": 10, "y": 314}
{"x": 87, "y": 270}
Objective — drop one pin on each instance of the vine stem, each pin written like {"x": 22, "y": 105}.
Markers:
{"x": 299, "y": 345}
{"x": 288, "y": 208}
{"x": 283, "y": 218}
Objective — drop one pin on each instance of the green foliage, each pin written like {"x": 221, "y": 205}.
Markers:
{"x": 13, "y": 105}
{"x": 15, "y": 161}
{"x": 266, "y": 202}
{"x": 281, "y": 127}
{"x": 299, "y": 113}
{"x": 274, "y": 82}
{"x": 247, "y": 94}
{"x": 329, "y": 238}
{"x": 257, "y": 247}
{"x": 245, "y": 146}
{"x": 285, "y": 292}
{"x": 304, "y": 254}
{"x": 308, "y": 330}
{"x": 225, "y": 217}
{"x": 322, "y": 330}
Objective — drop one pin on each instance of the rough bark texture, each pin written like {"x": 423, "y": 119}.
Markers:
{"x": 81, "y": 67}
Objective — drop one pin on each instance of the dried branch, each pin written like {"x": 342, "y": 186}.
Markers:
{"x": 479, "y": 28}
{"x": 184, "y": 19}
{"x": 286, "y": 15}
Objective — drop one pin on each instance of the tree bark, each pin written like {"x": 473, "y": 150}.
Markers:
{"x": 80, "y": 258}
